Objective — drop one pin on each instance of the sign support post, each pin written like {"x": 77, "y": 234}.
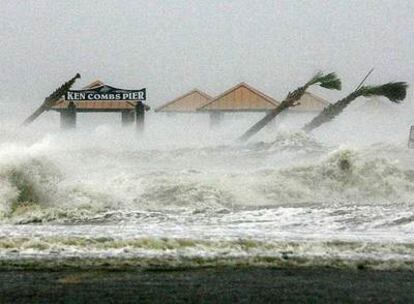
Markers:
{"x": 127, "y": 117}
{"x": 68, "y": 117}
{"x": 140, "y": 115}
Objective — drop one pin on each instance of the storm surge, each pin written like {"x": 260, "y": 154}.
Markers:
{"x": 36, "y": 181}
{"x": 109, "y": 198}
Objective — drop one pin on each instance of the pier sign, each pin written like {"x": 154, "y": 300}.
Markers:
{"x": 106, "y": 92}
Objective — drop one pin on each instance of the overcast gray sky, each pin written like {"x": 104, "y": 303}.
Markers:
{"x": 172, "y": 46}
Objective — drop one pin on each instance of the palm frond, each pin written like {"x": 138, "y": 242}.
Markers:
{"x": 394, "y": 91}
{"x": 314, "y": 79}
{"x": 332, "y": 85}
{"x": 328, "y": 81}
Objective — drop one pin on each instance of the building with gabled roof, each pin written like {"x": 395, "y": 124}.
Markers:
{"x": 241, "y": 98}
{"x": 186, "y": 103}
{"x": 130, "y": 107}
{"x": 310, "y": 103}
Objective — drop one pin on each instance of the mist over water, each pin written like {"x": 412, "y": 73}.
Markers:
{"x": 182, "y": 194}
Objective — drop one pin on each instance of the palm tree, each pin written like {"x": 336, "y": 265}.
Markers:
{"x": 51, "y": 100}
{"x": 328, "y": 81}
{"x": 394, "y": 91}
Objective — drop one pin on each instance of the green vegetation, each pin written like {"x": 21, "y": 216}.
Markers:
{"x": 394, "y": 91}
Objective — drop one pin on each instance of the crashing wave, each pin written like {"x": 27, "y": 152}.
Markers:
{"x": 104, "y": 252}
{"x": 34, "y": 187}
{"x": 343, "y": 176}
{"x": 26, "y": 181}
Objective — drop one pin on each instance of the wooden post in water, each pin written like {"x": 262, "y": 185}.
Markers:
{"x": 68, "y": 117}
{"x": 215, "y": 118}
{"x": 140, "y": 115}
{"x": 127, "y": 117}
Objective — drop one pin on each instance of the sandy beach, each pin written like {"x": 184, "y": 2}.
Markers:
{"x": 211, "y": 285}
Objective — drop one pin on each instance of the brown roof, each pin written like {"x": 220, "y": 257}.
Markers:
{"x": 310, "y": 102}
{"x": 94, "y": 84}
{"x": 241, "y": 98}
{"x": 107, "y": 105}
{"x": 188, "y": 102}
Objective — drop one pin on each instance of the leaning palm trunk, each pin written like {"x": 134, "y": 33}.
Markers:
{"x": 51, "y": 100}
{"x": 394, "y": 91}
{"x": 329, "y": 81}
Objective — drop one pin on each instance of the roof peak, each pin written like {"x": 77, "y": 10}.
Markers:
{"x": 94, "y": 84}
{"x": 177, "y": 99}
{"x": 266, "y": 98}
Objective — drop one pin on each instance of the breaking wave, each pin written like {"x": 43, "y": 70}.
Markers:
{"x": 290, "y": 201}
{"x": 343, "y": 176}
{"x": 38, "y": 187}
{"x": 168, "y": 253}
{"x": 25, "y": 179}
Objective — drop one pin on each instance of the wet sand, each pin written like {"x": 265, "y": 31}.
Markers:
{"x": 212, "y": 285}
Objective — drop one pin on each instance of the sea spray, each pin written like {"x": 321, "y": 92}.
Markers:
{"x": 25, "y": 179}
{"x": 343, "y": 176}
{"x": 290, "y": 201}
{"x": 35, "y": 186}
{"x": 167, "y": 253}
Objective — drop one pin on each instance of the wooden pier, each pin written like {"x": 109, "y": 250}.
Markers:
{"x": 131, "y": 110}
{"x": 100, "y": 97}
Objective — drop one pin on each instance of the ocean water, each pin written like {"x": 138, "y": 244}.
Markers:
{"x": 184, "y": 195}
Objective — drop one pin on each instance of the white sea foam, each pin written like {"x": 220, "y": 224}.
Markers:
{"x": 181, "y": 195}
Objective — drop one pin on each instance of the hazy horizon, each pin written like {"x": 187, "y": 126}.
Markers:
{"x": 170, "y": 47}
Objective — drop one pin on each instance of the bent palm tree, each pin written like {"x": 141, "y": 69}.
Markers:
{"x": 51, "y": 100}
{"x": 328, "y": 81}
{"x": 394, "y": 91}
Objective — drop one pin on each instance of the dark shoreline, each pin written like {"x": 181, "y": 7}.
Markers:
{"x": 208, "y": 285}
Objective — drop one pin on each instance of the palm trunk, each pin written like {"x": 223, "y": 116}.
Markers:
{"x": 290, "y": 101}
{"x": 35, "y": 115}
{"x": 51, "y": 100}
{"x": 330, "y": 112}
